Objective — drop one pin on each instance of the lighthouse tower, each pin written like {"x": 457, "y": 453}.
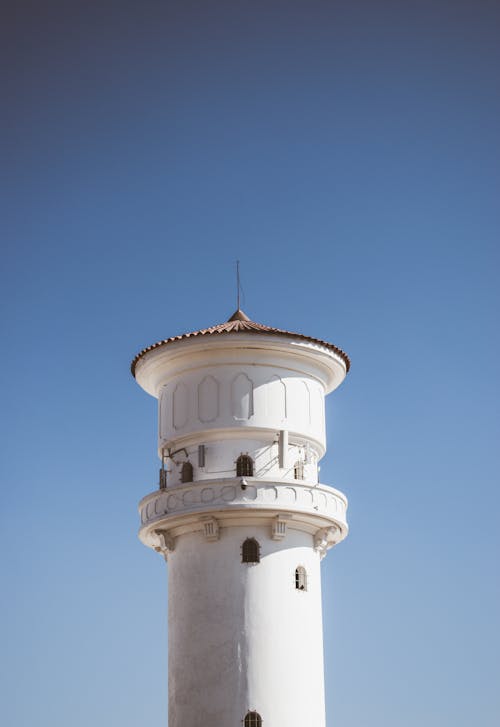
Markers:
{"x": 243, "y": 520}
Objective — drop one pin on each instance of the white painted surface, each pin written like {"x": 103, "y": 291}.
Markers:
{"x": 241, "y": 637}
{"x": 221, "y": 455}
{"x": 242, "y": 396}
{"x": 240, "y": 387}
{"x": 313, "y": 507}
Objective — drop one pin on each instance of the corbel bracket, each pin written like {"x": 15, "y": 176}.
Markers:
{"x": 278, "y": 529}
{"x": 166, "y": 543}
{"x": 325, "y": 539}
{"x": 210, "y": 528}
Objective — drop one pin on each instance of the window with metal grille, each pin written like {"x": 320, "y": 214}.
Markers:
{"x": 250, "y": 551}
{"x": 253, "y": 719}
{"x": 244, "y": 466}
{"x": 187, "y": 472}
{"x": 301, "y": 578}
{"x": 298, "y": 470}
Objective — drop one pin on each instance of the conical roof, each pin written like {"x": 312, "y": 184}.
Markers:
{"x": 239, "y": 322}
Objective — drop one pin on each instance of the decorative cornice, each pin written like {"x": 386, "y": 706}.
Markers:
{"x": 209, "y": 506}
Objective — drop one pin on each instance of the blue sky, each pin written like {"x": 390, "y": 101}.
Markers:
{"x": 348, "y": 155}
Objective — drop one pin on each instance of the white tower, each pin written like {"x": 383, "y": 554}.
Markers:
{"x": 242, "y": 519}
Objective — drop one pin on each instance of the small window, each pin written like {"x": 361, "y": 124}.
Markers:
{"x": 187, "y": 472}
{"x": 301, "y": 578}
{"x": 250, "y": 552}
{"x": 253, "y": 719}
{"x": 244, "y": 466}
{"x": 298, "y": 470}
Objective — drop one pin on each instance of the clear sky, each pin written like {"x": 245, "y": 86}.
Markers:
{"x": 348, "y": 154}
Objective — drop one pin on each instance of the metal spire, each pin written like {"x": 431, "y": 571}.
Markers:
{"x": 238, "y": 284}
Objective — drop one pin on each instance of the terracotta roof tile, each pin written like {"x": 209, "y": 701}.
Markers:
{"x": 241, "y": 323}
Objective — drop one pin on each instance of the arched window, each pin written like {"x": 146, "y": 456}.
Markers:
{"x": 244, "y": 466}
{"x": 250, "y": 551}
{"x": 253, "y": 719}
{"x": 298, "y": 470}
{"x": 301, "y": 578}
{"x": 187, "y": 472}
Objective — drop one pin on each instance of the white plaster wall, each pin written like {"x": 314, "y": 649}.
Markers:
{"x": 234, "y": 409}
{"x": 241, "y": 637}
{"x": 221, "y": 456}
{"x": 241, "y": 397}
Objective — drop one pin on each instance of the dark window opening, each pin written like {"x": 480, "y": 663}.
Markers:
{"x": 244, "y": 466}
{"x": 187, "y": 472}
{"x": 298, "y": 470}
{"x": 301, "y": 578}
{"x": 253, "y": 719}
{"x": 250, "y": 552}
